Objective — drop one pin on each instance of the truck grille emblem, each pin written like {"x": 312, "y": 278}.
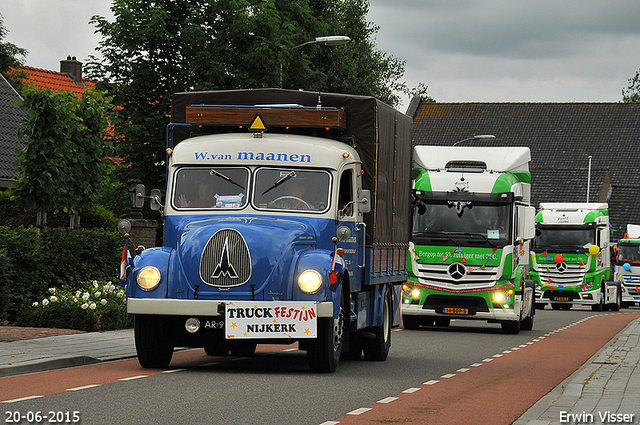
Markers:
{"x": 457, "y": 271}
{"x": 225, "y": 260}
{"x": 561, "y": 267}
{"x": 224, "y": 266}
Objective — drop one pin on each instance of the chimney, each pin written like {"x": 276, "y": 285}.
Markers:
{"x": 73, "y": 69}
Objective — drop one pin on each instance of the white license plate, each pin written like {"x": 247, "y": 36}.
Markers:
{"x": 270, "y": 319}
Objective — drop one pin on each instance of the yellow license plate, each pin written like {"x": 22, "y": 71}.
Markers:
{"x": 451, "y": 310}
{"x": 561, "y": 299}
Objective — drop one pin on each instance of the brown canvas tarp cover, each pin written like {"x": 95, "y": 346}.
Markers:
{"x": 382, "y": 136}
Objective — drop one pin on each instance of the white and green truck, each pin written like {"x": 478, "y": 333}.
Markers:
{"x": 572, "y": 261}
{"x": 472, "y": 226}
{"x": 627, "y": 268}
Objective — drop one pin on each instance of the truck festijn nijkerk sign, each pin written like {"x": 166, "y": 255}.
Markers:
{"x": 256, "y": 319}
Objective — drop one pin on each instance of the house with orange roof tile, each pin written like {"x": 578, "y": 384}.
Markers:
{"x": 69, "y": 78}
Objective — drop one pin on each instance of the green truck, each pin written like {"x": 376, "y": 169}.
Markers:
{"x": 627, "y": 268}
{"x": 472, "y": 224}
{"x": 572, "y": 261}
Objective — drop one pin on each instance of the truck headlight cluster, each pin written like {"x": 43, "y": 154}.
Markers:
{"x": 588, "y": 286}
{"x": 410, "y": 292}
{"x": 309, "y": 281}
{"x": 502, "y": 297}
{"x": 149, "y": 278}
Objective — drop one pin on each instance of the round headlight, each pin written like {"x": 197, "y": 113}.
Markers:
{"x": 310, "y": 281}
{"x": 148, "y": 278}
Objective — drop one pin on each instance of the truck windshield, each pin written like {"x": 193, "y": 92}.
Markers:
{"x": 486, "y": 224}
{"x": 563, "y": 238}
{"x": 628, "y": 253}
{"x": 291, "y": 190}
{"x": 210, "y": 187}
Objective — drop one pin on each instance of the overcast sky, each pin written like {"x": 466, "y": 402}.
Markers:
{"x": 465, "y": 51}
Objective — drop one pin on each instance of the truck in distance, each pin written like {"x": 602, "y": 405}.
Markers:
{"x": 472, "y": 226}
{"x": 572, "y": 262}
{"x": 627, "y": 265}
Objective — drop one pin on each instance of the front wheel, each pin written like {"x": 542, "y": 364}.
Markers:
{"x": 618, "y": 304}
{"x": 511, "y": 327}
{"x": 377, "y": 349}
{"x": 323, "y": 353}
{"x": 153, "y": 344}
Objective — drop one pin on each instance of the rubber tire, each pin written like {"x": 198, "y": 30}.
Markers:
{"x": 618, "y": 305}
{"x": 323, "y": 353}
{"x": 599, "y": 307}
{"x": 527, "y": 323}
{"x": 511, "y": 327}
{"x": 377, "y": 349}
{"x": 153, "y": 344}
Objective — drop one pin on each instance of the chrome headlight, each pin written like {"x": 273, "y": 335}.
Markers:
{"x": 149, "y": 278}
{"x": 310, "y": 281}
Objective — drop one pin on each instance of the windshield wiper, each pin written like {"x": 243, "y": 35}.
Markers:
{"x": 477, "y": 234}
{"x": 213, "y": 172}
{"x": 437, "y": 234}
{"x": 282, "y": 180}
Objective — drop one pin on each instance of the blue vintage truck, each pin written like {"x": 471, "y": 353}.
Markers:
{"x": 286, "y": 219}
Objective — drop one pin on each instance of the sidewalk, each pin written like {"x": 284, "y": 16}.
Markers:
{"x": 56, "y": 352}
{"x": 608, "y": 382}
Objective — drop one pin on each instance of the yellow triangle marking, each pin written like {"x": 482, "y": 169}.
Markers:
{"x": 257, "y": 123}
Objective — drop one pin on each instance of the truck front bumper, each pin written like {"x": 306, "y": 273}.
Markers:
{"x": 171, "y": 307}
{"x": 492, "y": 314}
{"x": 569, "y": 297}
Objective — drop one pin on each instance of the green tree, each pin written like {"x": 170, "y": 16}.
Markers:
{"x": 154, "y": 48}
{"x": 11, "y": 57}
{"x": 632, "y": 93}
{"x": 63, "y": 166}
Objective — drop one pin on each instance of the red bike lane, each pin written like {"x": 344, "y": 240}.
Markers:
{"x": 498, "y": 390}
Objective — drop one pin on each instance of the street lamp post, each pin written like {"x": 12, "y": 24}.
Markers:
{"x": 478, "y": 137}
{"x": 330, "y": 40}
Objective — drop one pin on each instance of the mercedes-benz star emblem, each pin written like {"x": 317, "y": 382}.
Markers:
{"x": 561, "y": 267}
{"x": 457, "y": 271}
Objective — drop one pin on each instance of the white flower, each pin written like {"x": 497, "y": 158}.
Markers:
{"x": 75, "y": 300}
{"x": 121, "y": 293}
{"x": 53, "y": 298}
{"x": 97, "y": 294}
{"x": 45, "y": 302}
{"x": 95, "y": 284}
{"x": 78, "y": 293}
{"x": 85, "y": 296}
{"x": 103, "y": 301}
{"x": 84, "y": 306}
{"x": 92, "y": 306}
{"x": 52, "y": 290}
{"x": 35, "y": 304}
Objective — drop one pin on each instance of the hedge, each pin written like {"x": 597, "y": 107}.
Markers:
{"x": 30, "y": 263}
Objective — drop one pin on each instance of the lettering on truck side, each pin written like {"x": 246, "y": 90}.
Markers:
{"x": 256, "y": 156}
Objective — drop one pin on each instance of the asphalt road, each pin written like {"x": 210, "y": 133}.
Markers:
{"x": 275, "y": 386}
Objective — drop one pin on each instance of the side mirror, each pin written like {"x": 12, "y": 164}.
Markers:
{"x": 364, "y": 196}
{"x": 526, "y": 222}
{"x": 140, "y": 192}
{"x": 155, "y": 202}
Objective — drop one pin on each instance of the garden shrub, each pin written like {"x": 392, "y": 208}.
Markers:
{"x": 90, "y": 306}
{"x": 56, "y": 258}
